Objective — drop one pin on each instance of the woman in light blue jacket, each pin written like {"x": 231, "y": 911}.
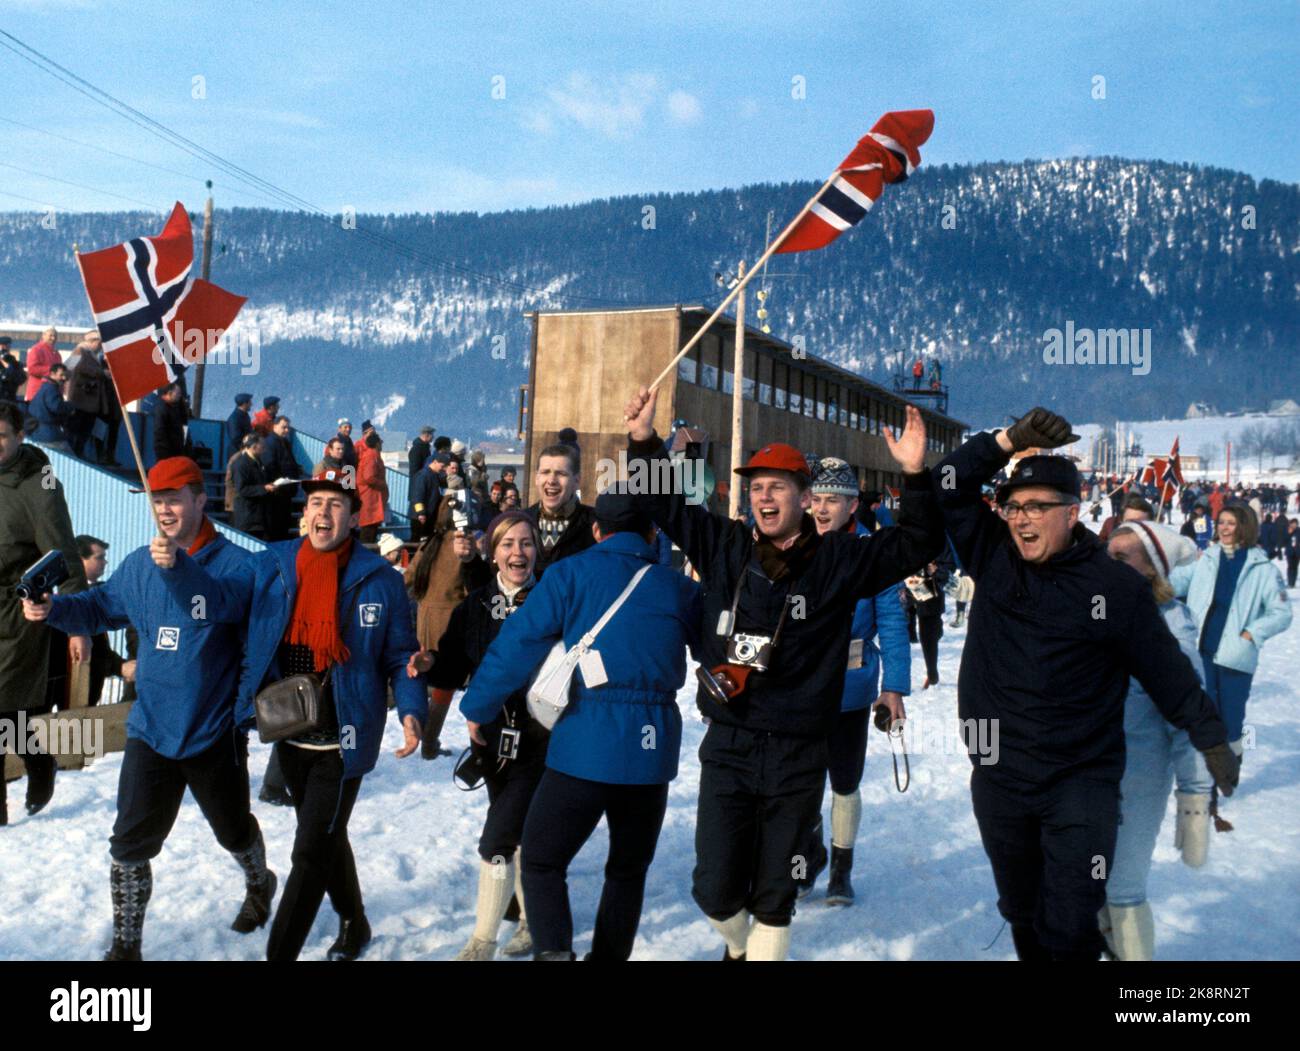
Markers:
{"x": 1238, "y": 599}
{"x": 1157, "y": 755}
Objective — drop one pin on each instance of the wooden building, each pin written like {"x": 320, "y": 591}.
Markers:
{"x": 586, "y": 363}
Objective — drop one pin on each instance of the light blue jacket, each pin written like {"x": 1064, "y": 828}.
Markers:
{"x": 1259, "y": 604}
{"x": 629, "y": 730}
{"x": 880, "y": 616}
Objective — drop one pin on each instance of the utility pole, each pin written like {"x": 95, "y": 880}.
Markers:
{"x": 196, "y": 398}
{"x": 738, "y": 397}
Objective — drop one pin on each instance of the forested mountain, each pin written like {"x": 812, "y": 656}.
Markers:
{"x": 969, "y": 263}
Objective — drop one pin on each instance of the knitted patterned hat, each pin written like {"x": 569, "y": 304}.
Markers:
{"x": 833, "y": 476}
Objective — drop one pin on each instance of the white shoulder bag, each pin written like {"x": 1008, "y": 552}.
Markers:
{"x": 548, "y": 695}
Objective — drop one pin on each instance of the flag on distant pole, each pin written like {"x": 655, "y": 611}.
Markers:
{"x": 152, "y": 316}
{"x": 889, "y": 153}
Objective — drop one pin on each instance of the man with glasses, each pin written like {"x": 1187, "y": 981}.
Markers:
{"x": 1059, "y": 629}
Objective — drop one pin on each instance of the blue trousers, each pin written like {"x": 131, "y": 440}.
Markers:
{"x": 1158, "y": 753}
{"x": 1228, "y": 689}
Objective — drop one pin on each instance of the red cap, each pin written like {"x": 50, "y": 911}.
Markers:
{"x": 175, "y": 472}
{"x": 776, "y": 457}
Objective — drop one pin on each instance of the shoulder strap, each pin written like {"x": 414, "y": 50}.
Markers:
{"x": 590, "y": 637}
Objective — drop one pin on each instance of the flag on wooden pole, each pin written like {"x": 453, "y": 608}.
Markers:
{"x": 152, "y": 316}
{"x": 889, "y": 153}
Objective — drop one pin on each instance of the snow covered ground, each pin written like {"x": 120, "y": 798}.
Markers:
{"x": 924, "y": 886}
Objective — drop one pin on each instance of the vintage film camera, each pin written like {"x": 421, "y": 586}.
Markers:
{"x": 42, "y": 577}
{"x": 745, "y": 654}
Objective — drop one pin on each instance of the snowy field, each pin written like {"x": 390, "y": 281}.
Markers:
{"x": 1157, "y": 438}
{"x": 924, "y": 887}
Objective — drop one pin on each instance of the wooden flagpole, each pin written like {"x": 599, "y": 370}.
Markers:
{"x": 126, "y": 419}
{"x": 740, "y": 287}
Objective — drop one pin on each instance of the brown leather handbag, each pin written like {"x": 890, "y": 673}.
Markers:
{"x": 290, "y": 707}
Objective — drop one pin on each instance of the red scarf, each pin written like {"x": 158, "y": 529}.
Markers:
{"x": 315, "y": 618}
{"x": 207, "y": 533}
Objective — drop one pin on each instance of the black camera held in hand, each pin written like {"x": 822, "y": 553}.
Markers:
{"x": 42, "y": 577}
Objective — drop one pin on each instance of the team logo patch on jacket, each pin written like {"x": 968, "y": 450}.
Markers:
{"x": 369, "y": 612}
{"x": 169, "y": 639}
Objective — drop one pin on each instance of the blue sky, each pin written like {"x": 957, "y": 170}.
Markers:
{"x": 390, "y": 107}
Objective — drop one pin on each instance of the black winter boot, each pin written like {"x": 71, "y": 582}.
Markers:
{"x": 1028, "y": 948}
{"x": 555, "y": 955}
{"x": 131, "y": 885}
{"x": 40, "y": 781}
{"x": 354, "y": 936}
{"x": 259, "y": 885}
{"x": 839, "y": 891}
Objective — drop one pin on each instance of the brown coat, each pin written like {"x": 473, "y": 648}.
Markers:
{"x": 34, "y": 520}
{"x": 449, "y": 580}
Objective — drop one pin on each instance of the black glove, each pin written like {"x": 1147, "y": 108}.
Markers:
{"x": 1040, "y": 429}
{"x": 1224, "y": 766}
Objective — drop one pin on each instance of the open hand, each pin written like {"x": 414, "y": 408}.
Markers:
{"x": 908, "y": 450}
{"x": 411, "y": 731}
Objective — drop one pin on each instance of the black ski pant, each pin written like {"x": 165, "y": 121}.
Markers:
{"x": 1292, "y": 566}
{"x": 151, "y": 786}
{"x": 564, "y": 812}
{"x": 510, "y": 793}
{"x": 322, "y": 856}
{"x": 40, "y": 766}
{"x": 930, "y": 629}
{"x": 1050, "y": 848}
{"x": 846, "y": 752}
{"x": 760, "y": 794}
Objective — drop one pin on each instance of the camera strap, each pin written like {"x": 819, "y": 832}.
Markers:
{"x": 735, "y": 605}
{"x": 896, "y": 731}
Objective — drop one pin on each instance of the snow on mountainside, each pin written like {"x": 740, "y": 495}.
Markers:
{"x": 972, "y": 263}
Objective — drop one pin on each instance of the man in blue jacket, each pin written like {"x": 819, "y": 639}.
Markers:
{"x": 176, "y": 593}
{"x": 323, "y": 604}
{"x": 834, "y": 509}
{"x": 1059, "y": 629}
{"x": 615, "y": 747}
{"x": 51, "y": 412}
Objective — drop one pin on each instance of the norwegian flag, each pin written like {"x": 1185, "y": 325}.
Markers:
{"x": 153, "y": 317}
{"x": 890, "y": 152}
{"x": 1172, "y": 475}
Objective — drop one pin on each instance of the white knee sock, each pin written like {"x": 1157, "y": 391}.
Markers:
{"x": 496, "y": 882}
{"x": 735, "y": 930}
{"x": 846, "y": 817}
{"x": 768, "y": 943}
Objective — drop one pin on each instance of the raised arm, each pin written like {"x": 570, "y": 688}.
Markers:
{"x": 691, "y": 527}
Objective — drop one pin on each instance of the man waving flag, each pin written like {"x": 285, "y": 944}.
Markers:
{"x": 153, "y": 317}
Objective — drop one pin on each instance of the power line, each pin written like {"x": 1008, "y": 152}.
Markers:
{"x": 265, "y": 187}
{"x": 79, "y": 185}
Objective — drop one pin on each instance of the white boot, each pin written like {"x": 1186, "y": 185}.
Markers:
{"x": 1192, "y": 832}
{"x": 521, "y": 942}
{"x": 768, "y": 943}
{"x": 735, "y": 931}
{"x": 1132, "y": 932}
{"x": 496, "y": 882}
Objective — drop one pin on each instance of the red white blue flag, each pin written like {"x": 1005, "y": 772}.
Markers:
{"x": 890, "y": 152}
{"x": 153, "y": 317}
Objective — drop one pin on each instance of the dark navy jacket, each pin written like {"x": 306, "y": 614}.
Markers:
{"x": 375, "y": 619}
{"x": 1051, "y": 647}
{"x": 188, "y": 668}
{"x": 50, "y": 411}
{"x": 628, "y": 731}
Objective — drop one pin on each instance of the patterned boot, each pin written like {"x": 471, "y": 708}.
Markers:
{"x": 131, "y": 884}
